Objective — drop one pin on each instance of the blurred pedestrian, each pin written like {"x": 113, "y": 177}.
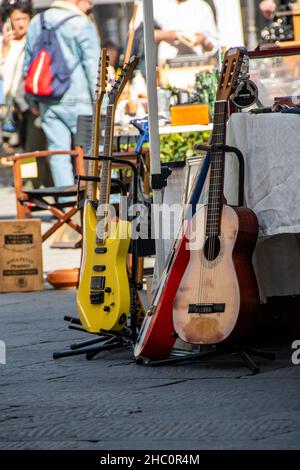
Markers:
{"x": 267, "y": 8}
{"x": 16, "y": 16}
{"x": 79, "y": 43}
{"x": 182, "y": 27}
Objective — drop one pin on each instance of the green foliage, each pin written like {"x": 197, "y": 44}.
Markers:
{"x": 178, "y": 147}
{"x": 206, "y": 86}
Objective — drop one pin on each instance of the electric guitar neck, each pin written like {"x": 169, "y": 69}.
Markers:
{"x": 93, "y": 165}
{"x": 105, "y": 186}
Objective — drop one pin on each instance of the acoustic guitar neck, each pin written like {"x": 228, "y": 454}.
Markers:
{"x": 216, "y": 181}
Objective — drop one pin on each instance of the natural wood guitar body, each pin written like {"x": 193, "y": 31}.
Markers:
{"x": 227, "y": 280}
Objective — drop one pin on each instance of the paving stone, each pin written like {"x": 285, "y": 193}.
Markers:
{"x": 112, "y": 403}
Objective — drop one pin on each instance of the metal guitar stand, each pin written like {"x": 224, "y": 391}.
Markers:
{"x": 108, "y": 340}
{"x": 243, "y": 352}
{"x": 240, "y": 157}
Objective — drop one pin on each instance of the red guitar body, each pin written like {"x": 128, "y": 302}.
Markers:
{"x": 156, "y": 338}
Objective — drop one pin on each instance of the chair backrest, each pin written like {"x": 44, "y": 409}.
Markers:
{"x": 20, "y": 193}
{"x": 82, "y": 137}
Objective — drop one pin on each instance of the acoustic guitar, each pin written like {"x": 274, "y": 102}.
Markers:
{"x": 157, "y": 335}
{"x": 103, "y": 296}
{"x": 217, "y": 297}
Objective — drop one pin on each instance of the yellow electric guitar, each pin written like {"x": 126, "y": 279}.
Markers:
{"x": 103, "y": 296}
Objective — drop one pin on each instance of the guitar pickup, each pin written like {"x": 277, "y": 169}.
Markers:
{"x": 99, "y": 268}
{"x": 97, "y": 283}
{"x": 97, "y": 290}
{"x": 100, "y": 250}
{"x": 97, "y": 298}
{"x": 206, "y": 308}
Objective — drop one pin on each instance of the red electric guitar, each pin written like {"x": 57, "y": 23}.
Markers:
{"x": 188, "y": 288}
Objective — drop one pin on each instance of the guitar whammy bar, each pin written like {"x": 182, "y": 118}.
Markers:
{"x": 202, "y": 318}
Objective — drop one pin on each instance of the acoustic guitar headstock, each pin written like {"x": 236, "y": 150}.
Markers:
{"x": 233, "y": 66}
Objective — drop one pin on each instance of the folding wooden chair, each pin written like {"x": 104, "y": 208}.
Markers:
{"x": 31, "y": 200}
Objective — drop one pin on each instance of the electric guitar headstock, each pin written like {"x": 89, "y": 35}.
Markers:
{"x": 102, "y": 76}
{"x": 123, "y": 79}
{"x": 93, "y": 167}
{"x": 235, "y": 61}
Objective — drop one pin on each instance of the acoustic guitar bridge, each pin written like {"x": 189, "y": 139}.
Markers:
{"x": 206, "y": 308}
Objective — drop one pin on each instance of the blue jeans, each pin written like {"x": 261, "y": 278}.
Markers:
{"x": 59, "y": 122}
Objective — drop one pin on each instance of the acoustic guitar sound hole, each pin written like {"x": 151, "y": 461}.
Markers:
{"x": 212, "y": 248}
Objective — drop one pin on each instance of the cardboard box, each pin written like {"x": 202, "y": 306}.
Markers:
{"x": 21, "y": 266}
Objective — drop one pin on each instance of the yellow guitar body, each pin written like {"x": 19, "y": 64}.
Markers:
{"x": 103, "y": 295}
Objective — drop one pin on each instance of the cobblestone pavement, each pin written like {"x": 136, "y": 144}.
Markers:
{"x": 112, "y": 403}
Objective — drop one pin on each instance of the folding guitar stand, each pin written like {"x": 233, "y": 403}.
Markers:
{"x": 243, "y": 352}
{"x": 217, "y": 350}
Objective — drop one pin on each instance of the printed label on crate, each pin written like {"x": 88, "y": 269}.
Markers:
{"x": 23, "y": 239}
{"x": 20, "y": 272}
{"x": 21, "y": 267}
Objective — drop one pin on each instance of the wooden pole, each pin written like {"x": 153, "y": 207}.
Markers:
{"x": 131, "y": 32}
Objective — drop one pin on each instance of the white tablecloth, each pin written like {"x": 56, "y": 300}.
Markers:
{"x": 270, "y": 144}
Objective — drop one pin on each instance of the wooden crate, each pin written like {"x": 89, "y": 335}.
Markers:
{"x": 21, "y": 266}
